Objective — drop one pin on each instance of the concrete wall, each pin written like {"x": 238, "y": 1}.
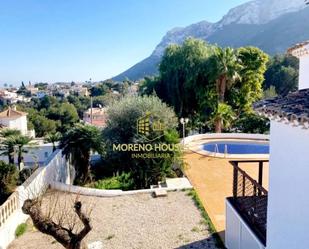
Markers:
{"x": 56, "y": 169}
{"x": 237, "y": 234}
{"x": 57, "y": 185}
{"x": 303, "y": 72}
{"x": 35, "y": 154}
{"x": 288, "y": 199}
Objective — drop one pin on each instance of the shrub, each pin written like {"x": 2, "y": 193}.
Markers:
{"x": 21, "y": 229}
{"x": 123, "y": 181}
{"x": 121, "y": 128}
{"x": 8, "y": 179}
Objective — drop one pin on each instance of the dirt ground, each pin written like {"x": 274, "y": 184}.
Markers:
{"x": 137, "y": 221}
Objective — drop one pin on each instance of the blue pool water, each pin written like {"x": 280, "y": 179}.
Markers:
{"x": 232, "y": 147}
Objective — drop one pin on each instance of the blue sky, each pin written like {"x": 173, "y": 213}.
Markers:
{"x": 65, "y": 40}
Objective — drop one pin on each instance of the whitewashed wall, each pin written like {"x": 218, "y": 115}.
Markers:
{"x": 237, "y": 234}
{"x": 303, "y": 72}
{"x": 288, "y": 199}
{"x": 18, "y": 123}
{"x": 35, "y": 154}
{"x": 56, "y": 169}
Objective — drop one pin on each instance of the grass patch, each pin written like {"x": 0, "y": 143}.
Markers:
{"x": 211, "y": 227}
{"x": 21, "y": 229}
{"x": 109, "y": 237}
{"x": 195, "y": 229}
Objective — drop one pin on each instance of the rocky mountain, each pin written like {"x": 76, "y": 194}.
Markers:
{"x": 272, "y": 25}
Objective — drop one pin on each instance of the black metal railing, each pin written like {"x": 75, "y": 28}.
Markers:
{"x": 250, "y": 200}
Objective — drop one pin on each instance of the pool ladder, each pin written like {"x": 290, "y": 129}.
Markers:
{"x": 217, "y": 150}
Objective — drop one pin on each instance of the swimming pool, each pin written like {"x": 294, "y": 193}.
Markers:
{"x": 236, "y": 147}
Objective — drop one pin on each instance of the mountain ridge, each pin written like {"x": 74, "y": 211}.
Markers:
{"x": 244, "y": 25}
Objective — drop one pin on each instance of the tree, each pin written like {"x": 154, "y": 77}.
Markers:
{"x": 225, "y": 67}
{"x": 195, "y": 78}
{"x": 77, "y": 144}
{"x": 181, "y": 72}
{"x": 43, "y": 125}
{"x": 41, "y": 86}
{"x": 121, "y": 128}
{"x": 99, "y": 90}
{"x": 8, "y": 142}
{"x": 8, "y": 179}
{"x": 21, "y": 141}
{"x": 58, "y": 221}
{"x": 53, "y": 138}
{"x": 282, "y": 73}
{"x": 23, "y": 90}
{"x": 222, "y": 117}
{"x": 66, "y": 113}
{"x": 225, "y": 71}
{"x": 252, "y": 123}
{"x": 249, "y": 89}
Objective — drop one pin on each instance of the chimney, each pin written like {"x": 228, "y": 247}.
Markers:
{"x": 301, "y": 51}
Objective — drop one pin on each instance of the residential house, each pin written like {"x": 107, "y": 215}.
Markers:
{"x": 96, "y": 117}
{"x": 13, "y": 119}
{"x": 80, "y": 91}
{"x": 277, "y": 218}
{"x": 9, "y": 97}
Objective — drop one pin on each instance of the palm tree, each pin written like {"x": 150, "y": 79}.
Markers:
{"x": 9, "y": 132}
{"x": 7, "y": 139}
{"x": 225, "y": 66}
{"x": 222, "y": 117}
{"x": 226, "y": 69}
{"x": 20, "y": 142}
{"x": 53, "y": 138}
{"x": 77, "y": 144}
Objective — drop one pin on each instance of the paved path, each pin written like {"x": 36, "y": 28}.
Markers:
{"x": 212, "y": 178}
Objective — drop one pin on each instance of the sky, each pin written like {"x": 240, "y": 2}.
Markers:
{"x": 74, "y": 40}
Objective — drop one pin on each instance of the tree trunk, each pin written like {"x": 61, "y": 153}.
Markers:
{"x": 11, "y": 155}
{"x": 63, "y": 235}
{"x": 19, "y": 159}
{"x": 218, "y": 125}
{"x": 222, "y": 88}
{"x": 54, "y": 146}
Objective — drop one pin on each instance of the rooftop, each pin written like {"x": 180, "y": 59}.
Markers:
{"x": 96, "y": 111}
{"x": 11, "y": 113}
{"x": 293, "y": 108}
{"x": 299, "y": 49}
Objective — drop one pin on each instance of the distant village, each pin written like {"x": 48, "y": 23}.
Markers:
{"x": 11, "y": 96}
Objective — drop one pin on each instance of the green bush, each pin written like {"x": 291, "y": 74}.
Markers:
{"x": 121, "y": 128}
{"x": 123, "y": 181}
{"x": 21, "y": 229}
{"x": 8, "y": 178}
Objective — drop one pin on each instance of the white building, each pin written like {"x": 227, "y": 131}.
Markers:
{"x": 9, "y": 97}
{"x": 301, "y": 51}
{"x": 277, "y": 218}
{"x": 13, "y": 119}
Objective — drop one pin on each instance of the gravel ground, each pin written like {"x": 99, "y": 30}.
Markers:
{"x": 135, "y": 222}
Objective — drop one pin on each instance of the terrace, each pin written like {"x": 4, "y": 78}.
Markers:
{"x": 249, "y": 199}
